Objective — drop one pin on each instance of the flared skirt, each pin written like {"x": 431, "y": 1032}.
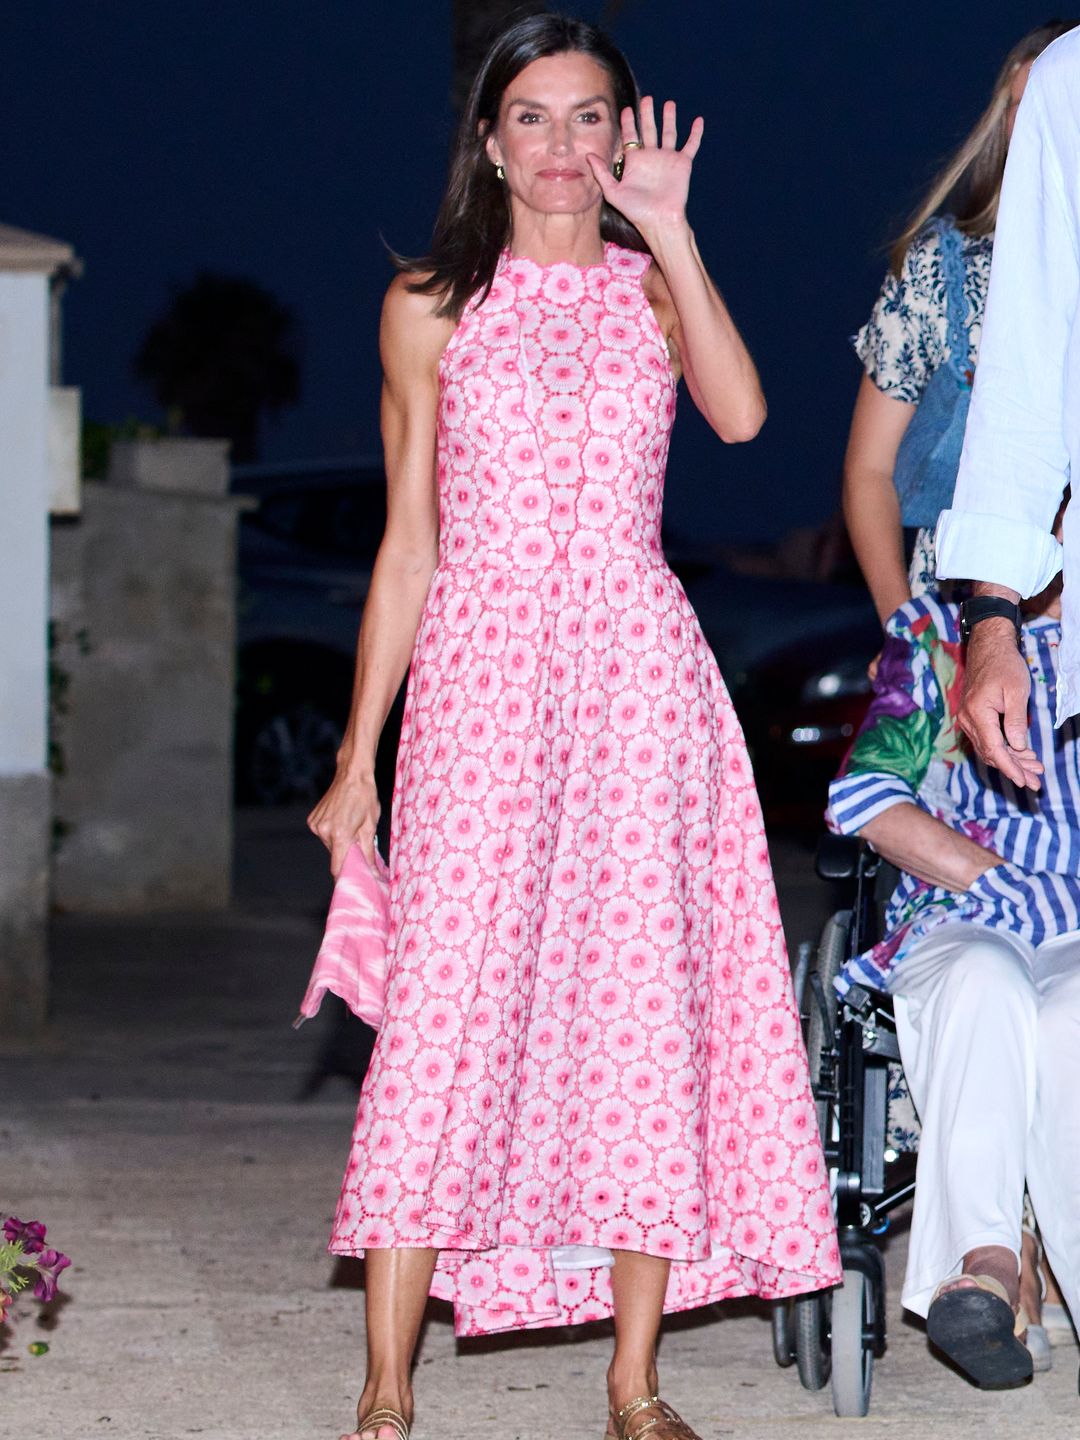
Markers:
{"x": 590, "y": 1041}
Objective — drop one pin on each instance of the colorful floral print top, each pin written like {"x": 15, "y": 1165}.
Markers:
{"x": 910, "y": 750}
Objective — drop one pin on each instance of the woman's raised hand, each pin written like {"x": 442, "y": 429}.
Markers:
{"x": 656, "y": 174}
{"x": 348, "y": 813}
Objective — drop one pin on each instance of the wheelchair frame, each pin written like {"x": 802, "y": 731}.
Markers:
{"x": 839, "y": 1334}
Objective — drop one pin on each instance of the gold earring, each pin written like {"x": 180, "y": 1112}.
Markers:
{"x": 617, "y": 168}
{"x": 500, "y": 172}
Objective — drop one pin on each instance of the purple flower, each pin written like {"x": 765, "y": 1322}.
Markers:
{"x": 48, "y": 1265}
{"x": 30, "y": 1234}
{"x": 895, "y": 682}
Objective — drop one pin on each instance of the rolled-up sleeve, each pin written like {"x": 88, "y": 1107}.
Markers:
{"x": 889, "y": 757}
{"x": 855, "y": 800}
{"x": 972, "y": 545}
{"x": 1015, "y": 462}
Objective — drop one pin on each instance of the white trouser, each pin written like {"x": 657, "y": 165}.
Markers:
{"x": 989, "y": 1031}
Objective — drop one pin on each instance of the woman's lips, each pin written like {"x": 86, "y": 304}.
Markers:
{"x": 561, "y": 174}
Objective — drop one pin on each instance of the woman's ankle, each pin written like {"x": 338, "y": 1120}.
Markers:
{"x": 1030, "y": 1280}
{"x": 385, "y": 1392}
{"x": 627, "y": 1381}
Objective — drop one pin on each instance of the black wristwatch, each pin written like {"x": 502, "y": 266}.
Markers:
{"x": 984, "y": 607}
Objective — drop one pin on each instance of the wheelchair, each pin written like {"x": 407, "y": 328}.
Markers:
{"x": 836, "y": 1335}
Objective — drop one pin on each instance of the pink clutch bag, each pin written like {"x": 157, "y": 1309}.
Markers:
{"x": 352, "y": 957}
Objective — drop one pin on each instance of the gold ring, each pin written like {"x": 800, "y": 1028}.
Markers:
{"x": 633, "y": 145}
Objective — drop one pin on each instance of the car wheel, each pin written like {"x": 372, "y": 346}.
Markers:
{"x": 291, "y": 754}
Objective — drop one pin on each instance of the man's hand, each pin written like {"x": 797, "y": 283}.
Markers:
{"x": 993, "y": 713}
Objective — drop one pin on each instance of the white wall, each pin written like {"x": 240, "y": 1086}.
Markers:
{"x": 24, "y": 520}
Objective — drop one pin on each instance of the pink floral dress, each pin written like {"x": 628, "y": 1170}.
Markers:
{"x": 589, "y": 1039}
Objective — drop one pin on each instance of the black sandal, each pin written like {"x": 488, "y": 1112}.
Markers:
{"x": 974, "y": 1326}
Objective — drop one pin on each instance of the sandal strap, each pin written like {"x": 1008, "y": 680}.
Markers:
{"x": 995, "y": 1287}
{"x": 992, "y": 1287}
{"x": 667, "y": 1416}
{"x": 385, "y": 1416}
{"x": 629, "y": 1410}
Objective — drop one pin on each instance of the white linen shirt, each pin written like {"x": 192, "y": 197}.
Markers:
{"x": 1023, "y": 430}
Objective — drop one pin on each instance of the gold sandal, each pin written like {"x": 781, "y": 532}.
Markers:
{"x": 374, "y": 1419}
{"x": 676, "y": 1426}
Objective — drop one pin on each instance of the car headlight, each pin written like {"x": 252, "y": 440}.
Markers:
{"x": 839, "y": 681}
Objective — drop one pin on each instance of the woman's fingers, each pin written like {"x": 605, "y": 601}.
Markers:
{"x": 648, "y": 121}
{"x": 693, "y": 140}
{"x": 668, "y": 136}
{"x": 669, "y": 131}
{"x": 341, "y": 842}
{"x": 602, "y": 175}
{"x": 347, "y": 814}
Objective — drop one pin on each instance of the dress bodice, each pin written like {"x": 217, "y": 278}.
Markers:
{"x": 556, "y": 402}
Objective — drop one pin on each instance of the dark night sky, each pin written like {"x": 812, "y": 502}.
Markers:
{"x": 280, "y": 138}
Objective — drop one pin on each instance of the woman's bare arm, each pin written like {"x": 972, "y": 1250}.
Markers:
{"x": 411, "y": 341}
{"x": 701, "y": 335}
{"x": 928, "y": 848}
{"x": 708, "y": 349}
{"x": 871, "y": 504}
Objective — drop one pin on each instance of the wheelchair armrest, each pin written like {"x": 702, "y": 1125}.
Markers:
{"x": 838, "y": 857}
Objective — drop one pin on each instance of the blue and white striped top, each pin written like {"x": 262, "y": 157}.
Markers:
{"x": 910, "y": 750}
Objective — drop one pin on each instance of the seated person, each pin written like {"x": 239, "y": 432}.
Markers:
{"x": 981, "y": 951}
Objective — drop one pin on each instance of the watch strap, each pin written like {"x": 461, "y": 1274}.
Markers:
{"x": 986, "y": 607}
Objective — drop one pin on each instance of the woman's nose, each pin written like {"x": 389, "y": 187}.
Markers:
{"x": 560, "y": 141}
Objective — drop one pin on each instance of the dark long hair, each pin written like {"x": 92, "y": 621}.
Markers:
{"x": 473, "y": 224}
{"x": 968, "y": 186}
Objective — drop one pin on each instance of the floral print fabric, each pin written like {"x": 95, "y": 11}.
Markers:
{"x": 589, "y": 1038}
{"x": 911, "y": 750}
{"x": 907, "y": 336}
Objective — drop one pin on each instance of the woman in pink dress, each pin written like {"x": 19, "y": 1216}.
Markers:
{"x": 589, "y": 1094}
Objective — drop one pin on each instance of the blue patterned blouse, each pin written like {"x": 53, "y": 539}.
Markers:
{"x": 906, "y": 337}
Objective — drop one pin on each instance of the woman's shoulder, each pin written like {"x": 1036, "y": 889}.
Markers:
{"x": 411, "y": 320}
{"x": 409, "y": 300}
{"x": 409, "y": 297}
{"x": 925, "y": 256}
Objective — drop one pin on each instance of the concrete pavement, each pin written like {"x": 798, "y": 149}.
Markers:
{"x": 158, "y": 1133}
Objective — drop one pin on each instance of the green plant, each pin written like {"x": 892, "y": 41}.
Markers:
{"x": 97, "y": 442}
{"x": 25, "y": 1260}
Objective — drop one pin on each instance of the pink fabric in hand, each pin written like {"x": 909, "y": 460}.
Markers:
{"x": 352, "y": 957}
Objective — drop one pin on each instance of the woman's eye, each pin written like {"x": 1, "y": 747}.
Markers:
{"x": 590, "y": 117}
{"x": 530, "y": 117}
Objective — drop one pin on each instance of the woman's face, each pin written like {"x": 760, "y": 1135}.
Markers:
{"x": 552, "y": 114}
{"x": 1016, "y": 94}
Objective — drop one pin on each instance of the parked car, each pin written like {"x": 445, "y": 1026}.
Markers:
{"x": 794, "y": 655}
{"x": 800, "y": 708}
{"x": 306, "y": 550}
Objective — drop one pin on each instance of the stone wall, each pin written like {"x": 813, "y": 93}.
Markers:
{"x": 24, "y": 557}
{"x": 24, "y": 889}
{"x": 144, "y": 622}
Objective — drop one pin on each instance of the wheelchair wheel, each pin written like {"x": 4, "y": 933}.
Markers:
{"x": 783, "y": 1333}
{"x": 823, "y": 1004}
{"x": 854, "y": 1307}
{"x": 812, "y": 1348}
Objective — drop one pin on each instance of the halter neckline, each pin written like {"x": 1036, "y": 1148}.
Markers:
{"x": 510, "y": 259}
{"x": 616, "y": 258}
